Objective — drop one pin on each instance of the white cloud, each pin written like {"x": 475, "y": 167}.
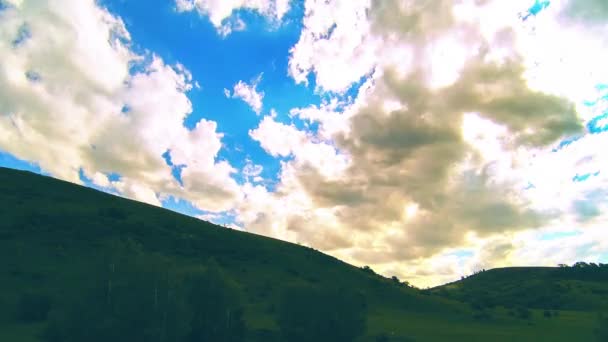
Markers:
{"x": 459, "y": 115}
{"x": 233, "y": 24}
{"x": 248, "y": 93}
{"x": 84, "y": 110}
{"x": 252, "y": 172}
{"x": 540, "y": 42}
{"x": 101, "y": 180}
{"x": 281, "y": 8}
{"x": 137, "y": 191}
{"x": 335, "y": 44}
{"x": 277, "y": 138}
{"x": 221, "y": 13}
{"x": 281, "y": 140}
{"x": 330, "y": 119}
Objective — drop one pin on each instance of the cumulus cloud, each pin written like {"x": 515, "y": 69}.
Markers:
{"x": 276, "y": 138}
{"x": 331, "y": 121}
{"x": 222, "y": 13}
{"x": 448, "y": 142}
{"x": 282, "y": 140}
{"x": 334, "y": 44}
{"x": 85, "y": 110}
{"x": 248, "y": 93}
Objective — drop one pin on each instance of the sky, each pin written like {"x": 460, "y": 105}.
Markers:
{"x": 428, "y": 139}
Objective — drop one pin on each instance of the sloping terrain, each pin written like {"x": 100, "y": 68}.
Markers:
{"x": 54, "y": 235}
{"x": 579, "y": 287}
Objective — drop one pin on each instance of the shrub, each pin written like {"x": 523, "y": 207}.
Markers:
{"x": 368, "y": 270}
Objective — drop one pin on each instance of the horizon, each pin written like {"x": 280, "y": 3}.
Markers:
{"x": 427, "y": 141}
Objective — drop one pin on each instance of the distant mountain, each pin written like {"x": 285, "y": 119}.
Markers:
{"x": 58, "y": 239}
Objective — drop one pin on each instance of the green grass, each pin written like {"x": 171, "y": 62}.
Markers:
{"x": 52, "y": 232}
{"x": 570, "y": 326}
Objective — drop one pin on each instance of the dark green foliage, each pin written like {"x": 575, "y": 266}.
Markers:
{"x": 523, "y": 313}
{"x": 601, "y": 331}
{"x": 482, "y": 315}
{"x": 113, "y": 213}
{"x": 217, "y": 314}
{"x": 547, "y": 314}
{"x": 264, "y": 335}
{"x": 320, "y": 314}
{"x": 397, "y": 281}
{"x": 135, "y": 298}
{"x": 33, "y": 307}
{"x": 481, "y": 311}
{"x": 382, "y": 338}
{"x": 368, "y": 270}
{"x": 139, "y": 298}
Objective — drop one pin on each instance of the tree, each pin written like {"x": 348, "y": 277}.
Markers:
{"x": 217, "y": 314}
{"x": 138, "y": 298}
{"x": 368, "y": 269}
{"x": 318, "y": 314}
{"x": 133, "y": 295}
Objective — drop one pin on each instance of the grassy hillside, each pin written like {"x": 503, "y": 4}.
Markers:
{"x": 580, "y": 287}
{"x": 57, "y": 237}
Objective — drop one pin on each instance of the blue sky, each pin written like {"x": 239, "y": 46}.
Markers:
{"x": 218, "y": 62}
{"x": 10, "y": 161}
{"x": 327, "y": 123}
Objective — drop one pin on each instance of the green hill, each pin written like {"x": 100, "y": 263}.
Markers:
{"x": 57, "y": 238}
{"x": 580, "y": 287}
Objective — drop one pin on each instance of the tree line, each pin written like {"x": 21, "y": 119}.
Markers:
{"x": 131, "y": 295}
